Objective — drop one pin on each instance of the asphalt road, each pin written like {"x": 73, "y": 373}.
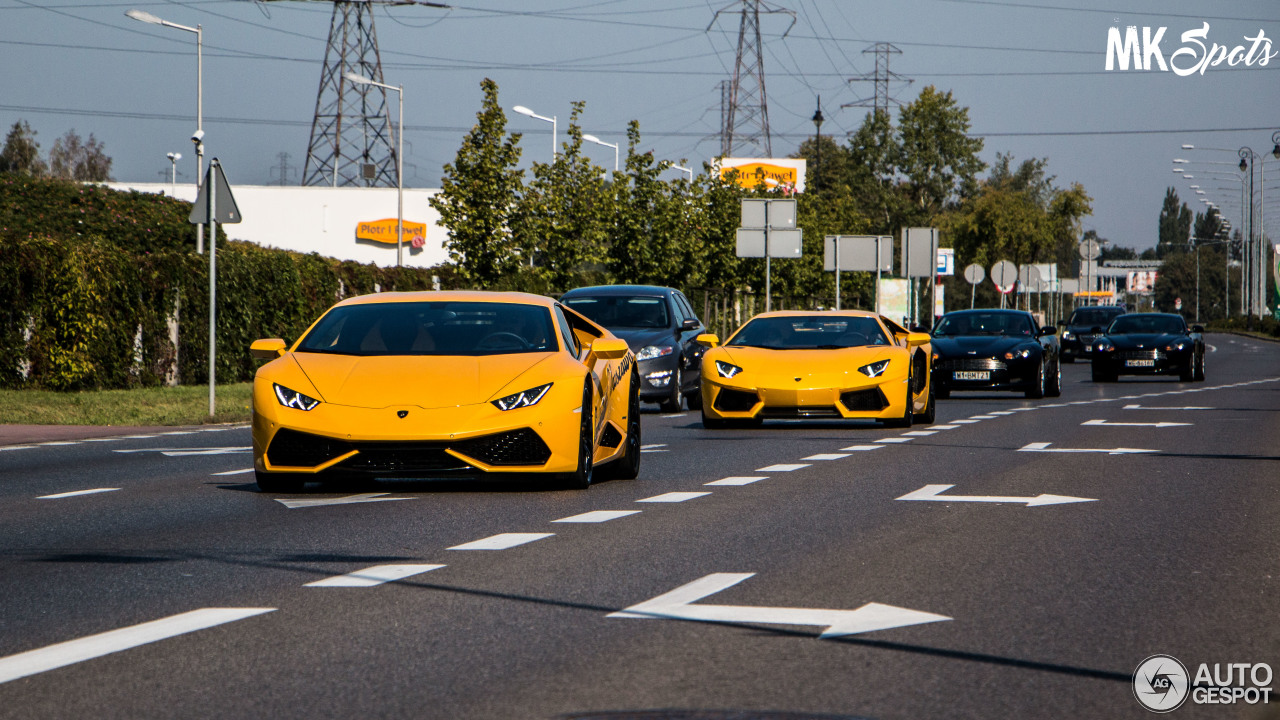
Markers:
{"x": 997, "y": 608}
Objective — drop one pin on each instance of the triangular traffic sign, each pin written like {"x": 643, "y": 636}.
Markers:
{"x": 225, "y": 210}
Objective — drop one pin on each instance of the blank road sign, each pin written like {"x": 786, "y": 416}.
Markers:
{"x": 782, "y": 243}
{"x": 782, "y": 213}
{"x": 857, "y": 252}
{"x": 920, "y": 248}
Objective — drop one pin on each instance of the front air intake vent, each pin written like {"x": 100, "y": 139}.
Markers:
{"x": 516, "y": 447}
{"x": 869, "y": 400}
{"x": 290, "y": 448}
{"x": 736, "y": 401}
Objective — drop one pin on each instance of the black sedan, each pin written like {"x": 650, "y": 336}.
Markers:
{"x": 995, "y": 350}
{"x": 1079, "y": 331}
{"x": 1149, "y": 344}
{"x": 659, "y": 325}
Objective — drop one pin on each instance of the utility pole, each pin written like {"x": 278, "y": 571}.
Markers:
{"x": 880, "y": 98}
{"x": 283, "y": 168}
{"x": 746, "y": 125}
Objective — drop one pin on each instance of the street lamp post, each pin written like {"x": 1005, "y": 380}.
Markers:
{"x": 817, "y": 141}
{"x": 526, "y": 111}
{"x": 598, "y": 141}
{"x": 173, "y": 170}
{"x": 198, "y": 137}
{"x": 684, "y": 169}
{"x": 362, "y": 80}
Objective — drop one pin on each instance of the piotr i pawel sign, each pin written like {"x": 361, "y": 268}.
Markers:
{"x": 1195, "y": 56}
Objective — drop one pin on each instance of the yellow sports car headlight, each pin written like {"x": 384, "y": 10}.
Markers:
{"x": 293, "y": 398}
{"x": 875, "y": 369}
{"x": 524, "y": 398}
{"x": 727, "y": 370}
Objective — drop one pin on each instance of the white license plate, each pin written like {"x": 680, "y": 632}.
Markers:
{"x": 972, "y": 375}
{"x": 1139, "y": 363}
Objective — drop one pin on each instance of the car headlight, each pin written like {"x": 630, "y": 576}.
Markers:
{"x": 1178, "y": 346}
{"x": 727, "y": 370}
{"x": 1022, "y": 354}
{"x": 293, "y": 398}
{"x": 650, "y": 352}
{"x": 1067, "y": 334}
{"x": 1104, "y": 346}
{"x": 875, "y": 369}
{"x": 524, "y": 398}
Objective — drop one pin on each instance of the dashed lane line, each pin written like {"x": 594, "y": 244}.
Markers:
{"x": 827, "y": 456}
{"x": 76, "y": 493}
{"x": 673, "y": 497}
{"x": 920, "y": 433}
{"x": 942, "y": 427}
{"x": 783, "y": 467}
{"x": 738, "y": 480}
{"x": 502, "y": 541}
{"x": 861, "y": 448}
{"x": 234, "y": 472}
{"x": 373, "y": 576}
{"x": 348, "y": 500}
{"x": 597, "y": 516}
{"x": 894, "y": 440}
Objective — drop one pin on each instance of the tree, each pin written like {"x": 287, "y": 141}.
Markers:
{"x": 21, "y": 152}
{"x": 479, "y": 196}
{"x": 651, "y": 241}
{"x": 936, "y": 155}
{"x": 1175, "y": 225}
{"x": 72, "y": 158}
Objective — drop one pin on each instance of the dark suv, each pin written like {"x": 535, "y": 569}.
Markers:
{"x": 1077, "y": 331}
{"x": 659, "y": 325}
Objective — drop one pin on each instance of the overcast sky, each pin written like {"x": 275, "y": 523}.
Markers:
{"x": 1031, "y": 73}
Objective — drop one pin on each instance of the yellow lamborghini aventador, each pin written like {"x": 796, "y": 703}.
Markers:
{"x": 844, "y": 364}
{"x": 445, "y": 384}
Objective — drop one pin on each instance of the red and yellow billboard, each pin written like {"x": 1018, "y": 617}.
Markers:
{"x": 384, "y": 231}
{"x": 786, "y": 174}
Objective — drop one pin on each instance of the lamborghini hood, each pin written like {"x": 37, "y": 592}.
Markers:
{"x": 425, "y": 381}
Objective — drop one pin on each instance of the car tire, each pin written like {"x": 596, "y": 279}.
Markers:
{"x": 908, "y": 417}
{"x": 580, "y": 479}
{"x": 279, "y": 482}
{"x": 627, "y": 467}
{"x": 930, "y": 410}
{"x": 1055, "y": 381}
{"x": 672, "y": 404}
{"x": 694, "y": 399}
{"x": 1036, "y": 391}
{"x": 1189, "y": 372}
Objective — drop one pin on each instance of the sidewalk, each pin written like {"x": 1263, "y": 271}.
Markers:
{"x": 30, "y": 434}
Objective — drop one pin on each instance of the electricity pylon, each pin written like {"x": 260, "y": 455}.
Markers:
{"x": 746, "y": 122}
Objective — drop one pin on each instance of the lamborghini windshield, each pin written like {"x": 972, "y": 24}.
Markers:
{"x": 996, "y": 323}
{"x": 809, "y": 332}
{"x": 432, "y": 328}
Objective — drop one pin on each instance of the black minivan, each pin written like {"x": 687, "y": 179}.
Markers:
{"x": 659, "y": 325}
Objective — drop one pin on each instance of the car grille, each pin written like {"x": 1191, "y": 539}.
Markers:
{"x": 290, "y": 448}
{"x": 1141, "y": 355}
{"x": 871, "y": 400}
{"x": 736, "y": 400}
{"x": 805, "y": 411}
{"x": 970, "y": 364}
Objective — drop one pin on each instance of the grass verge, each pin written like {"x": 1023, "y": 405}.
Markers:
{"x": 185, "y": 405}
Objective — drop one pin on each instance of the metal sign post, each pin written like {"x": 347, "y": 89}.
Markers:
{"x": 765, "y": 233}
{"x": 214, "y": 204}
{"x": 975, "y": 275}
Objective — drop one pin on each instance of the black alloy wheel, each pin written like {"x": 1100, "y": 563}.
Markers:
{"x": 1199, "y": 374}
{"x": 907, "y": 417}
{"x": 580, "y": 479}
{"x": 694, "y": 399}
{"x": 627, "y": 467}
{"x": 672, "y": 404}
{"x": 1036, "y": 391}
{"x": 930, "y": 409}
{"x": 279, "y": 482}
{"x": 1188, "y": 371}
{"x": 1055, "y": 381}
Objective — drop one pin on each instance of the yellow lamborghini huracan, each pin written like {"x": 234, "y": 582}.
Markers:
{"x": 445, "y": 384}
{"x": 843, "y": 364}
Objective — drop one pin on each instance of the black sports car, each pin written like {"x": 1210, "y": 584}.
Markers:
{"x": 1149, "y": 344}
{"x": 995, "y": 350}
{"x": 1078, "y": 331}
{"x": 659, "y": 325}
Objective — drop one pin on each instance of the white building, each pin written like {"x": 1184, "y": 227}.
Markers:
{"x": 328, "y": 221}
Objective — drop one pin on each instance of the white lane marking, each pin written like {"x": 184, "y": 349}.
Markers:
{"x": 654, "y": 451}
{"x": 71, "y": 652}
{"x": 348, "y": 500}
{"x": 74, "y": 493}
{"x": 650, "y": 447}
{"x": 1147, "y": 407}
{"x": 59, "y": 442}
{"x": 1027, "y": 409}
{"x": 135, "y": 437}
{"x": 674, "y": 416}
{"x": 1001, "y": 412}
{"x": 827, "y": 456}
{"x": 1129, "y": 424}
{"x": 502, "y": 541}
{"x": 942, "y": 427}
{"x": 894, "y": 440}
{"x": 933, "y": 493}
{"x": 372, "y": 576}
{"x": 597, "y": 516}
{"x": 982, "y": 417}
{"x": 1044, "y": 447}
{"x": 965, "y": 422}
{"x": 110, "y": 439}
{"x": 678, "y": 605}
{"x": 16, "y": 447}
{"x": 783, "y": 467}
{"x": 1211, "y": 348}
{"x": 1054, "y": 405}
{"x": 235, "y": 472}
{"x": 1082, "y": 402}
{"x": 180, "y": 432}
{"x": 862, "y": 448}
{"x": 673, "y": 497}
{"x": 743, "y": 480}
{"x": 182, "y": 452}
{"x": 920, "y": 433}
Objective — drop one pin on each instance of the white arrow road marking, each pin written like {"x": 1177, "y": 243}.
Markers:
{"x": 744, "y": 480}
{"x": 1147, "y": 407}
{"x": 52, "y": 657}
{"x": 1126, "y": 424}
{"x": 597, "y": 516}
{"x": 678, "y": 605}
{"x": 348, "y": 500}
{"x": 673, "y": 497}
{"x": 182, "y": 452}
{"x": 1044, "y": 447}
{"x": 502, "y": 541}
{"x": 827, "y": 456}
{"x": 371, "y": 576}
{"x": 933, "y": 492}
{"x": 862, "y": 448}
{"x": 782, "y": 468}
{"x": 74, "y": 493}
